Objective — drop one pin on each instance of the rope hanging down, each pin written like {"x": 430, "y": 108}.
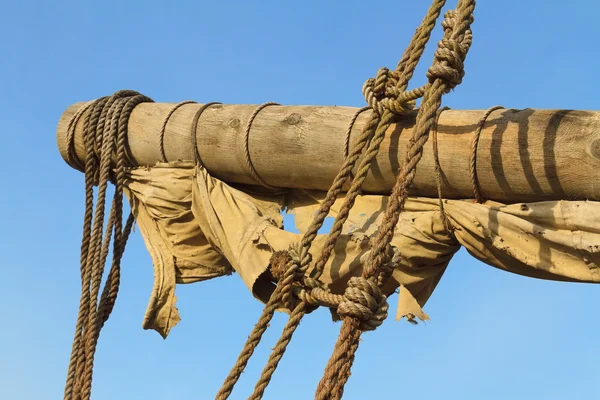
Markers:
{"x": 105, "y": 129}
{"x": 363, "y": 306}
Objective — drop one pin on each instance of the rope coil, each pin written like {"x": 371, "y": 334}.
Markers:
{"x": 363, "y": 306}
{"x": 105, "y": 139}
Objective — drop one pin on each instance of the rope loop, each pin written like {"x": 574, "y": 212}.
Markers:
{"x": 364, "y": 301}
{"x": 451, "y": 53}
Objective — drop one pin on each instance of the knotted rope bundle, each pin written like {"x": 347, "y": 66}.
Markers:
{"x": 363, "y": 306}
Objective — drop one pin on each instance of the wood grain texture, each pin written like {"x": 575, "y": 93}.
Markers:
{"x": 523, "y": 155}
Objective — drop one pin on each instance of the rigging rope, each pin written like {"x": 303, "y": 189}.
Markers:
{"x": 363, "y": 306}
{"x": 104, "y": 134}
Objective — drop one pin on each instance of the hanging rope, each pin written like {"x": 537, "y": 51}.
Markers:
{"x": 104, "y": 135}
{"x": 363, "y": 303}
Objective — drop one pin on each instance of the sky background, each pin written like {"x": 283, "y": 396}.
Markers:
{"x": 492, "y": 335}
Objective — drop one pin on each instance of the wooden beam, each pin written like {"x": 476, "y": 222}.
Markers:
{"x": 523, "y": 155}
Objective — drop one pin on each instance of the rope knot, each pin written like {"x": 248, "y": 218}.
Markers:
{"x": 381, "y": 93}
{"x": 364, "y": 300}
{"x": 451, "y": 52}
{"x": 284, "y": 263}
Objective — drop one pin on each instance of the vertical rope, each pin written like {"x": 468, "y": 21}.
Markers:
{"x": 104, "y": 134}
{"x": 473, "y": 158}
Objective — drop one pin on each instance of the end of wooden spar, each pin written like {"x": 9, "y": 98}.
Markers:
{"x": 62, "y": 127}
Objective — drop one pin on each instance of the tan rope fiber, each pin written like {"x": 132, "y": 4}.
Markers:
{"x": 194, "y": 133}
{"x": 473, "y": 157}
{"x": 161, "y": 137}
{"x": 438, "y": 170}
{"x": 374, "y": 90}
{"x": 251, "y": 168}
{"x": 72, "y": 158}
{"x": 105, "y": 136}
{"x": 445, "y": 74}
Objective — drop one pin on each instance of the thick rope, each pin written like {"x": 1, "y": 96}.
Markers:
{"x": 473, "y": 160}
{"x": 249, "y": 163}
{"x": 259, "y": 329}
{"x": 163, "y": 128}
{"x": 445, "y": 74}
{"x": 72, "y": 158}
{"x": 104, "y": 134}
{"x": 374, "y": 91}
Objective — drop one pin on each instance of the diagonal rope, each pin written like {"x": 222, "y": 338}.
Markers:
{"x": 445, "y": 74}
{"x": 370, "y": 138}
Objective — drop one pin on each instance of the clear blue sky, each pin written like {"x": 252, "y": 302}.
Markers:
{"x": 492, "y": 335}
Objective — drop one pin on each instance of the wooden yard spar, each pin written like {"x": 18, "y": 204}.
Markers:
{"x": 522, "y": 155}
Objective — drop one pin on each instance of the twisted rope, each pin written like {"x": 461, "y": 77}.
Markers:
{"x": 473, "y": 159}
{"x": 253, "y": 340}
{"x": 386, "y": 83}
{"x": 105, "y": 136}
{"x": 438, "y": 171}
{"x": 249, "y": 163}
{"x": 195, "y": 120}
{"x": 161, "y": 136}
{"x": 446, "y": 73}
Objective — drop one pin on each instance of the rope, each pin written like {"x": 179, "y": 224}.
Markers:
{"x": 72, "y": 158}
{"x": 251, "y": 168}
{"x": 438, "y": 171}
{"x": 445, "y": 74}
{"x": 197, "y": 116}
{"x": 386, "y": 83}
{"x": 473, "y": 161}
{"x": 349, "y": 130}
{"x": 105, "y": 136}
{"x": 161, "y": 137}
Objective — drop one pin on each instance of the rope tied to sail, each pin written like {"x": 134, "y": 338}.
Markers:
{"x": 363, "y": 306}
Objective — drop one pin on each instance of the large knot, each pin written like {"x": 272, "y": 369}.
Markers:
{"x": 382, "y": 94}
{"x": 451, "y": 52}
{"x": 364, "y": 300}
{"x": 287, "y": 263}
